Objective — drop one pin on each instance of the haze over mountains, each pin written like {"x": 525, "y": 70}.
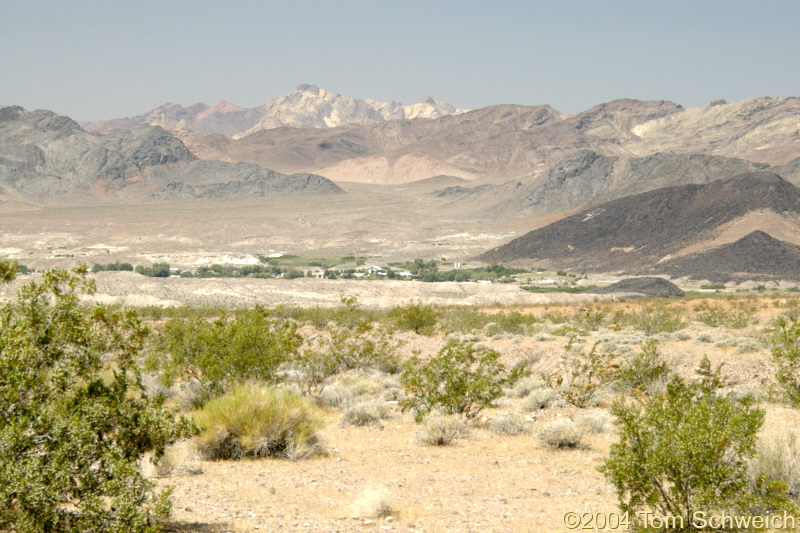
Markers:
{"x": 307, "y": 107}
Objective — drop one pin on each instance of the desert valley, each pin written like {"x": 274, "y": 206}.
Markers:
{"x": 335, "y": 250}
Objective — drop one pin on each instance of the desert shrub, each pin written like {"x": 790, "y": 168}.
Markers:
{"x": 748, "y": 346}
{"x": 778, "y": 457}
{"x": 514, "y": 322}
{"x": 251, "y": 346}
{"x": 463, "y": 319}
{"x": 459, "y": 380}
{"x": 582, "y": 375}
{"x": 556, "y": 317}
{"x": 441, "y": 430}
{"x": 652, "y": 319}
{"x": 257, "y": 421}
{"x": 74, "y": 417}
{"x": 539, "y": 399}
{"x": 560, "y": 434}
{"x": 524, "y": 386}
{"x": 342, "y": 351}
{"x": 704, "y": 337}
{"x": 415, "y": 317}
{"x": 645, "y": 371}
{"x": 364, "y": 414}
{"x": 716, "y": 316}
{"x": 589, "y": 318}
{"x": 510, "y": 424}
{"x": 686, "y": 450}
{"x": 785, "y": 347}
{"x": 593, "y": 422}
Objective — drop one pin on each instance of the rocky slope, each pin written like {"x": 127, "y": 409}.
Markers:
{"x": 638, "y": 232}
{"x": 756, "y": 256}
{"x": 47, "y": 158}
{"x": 307, "y": 107}
{"x": 586, "y": 177}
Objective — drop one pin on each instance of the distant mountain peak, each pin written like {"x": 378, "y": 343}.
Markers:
{"x": 308, "y": 106}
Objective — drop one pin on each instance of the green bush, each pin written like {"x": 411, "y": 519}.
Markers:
{"x": 715, "y": 316}
{"x": 251, "y": 346}
{"x": 582, "y": 375}
{"x": 114, "y": 267}
{"x": 459, "y": 380}
{"x": 785, "y": 346}
{"x": 652, "y": 319}
{"x": 74, "y": 417}
{"x": 686, "y": 450}
{"x": 158, "y": 270}
{"x": 645, "y": 371}
{"x": 415, "y": 317}
{"x": 257, "y": 421}
{"x": 343, "y": 351}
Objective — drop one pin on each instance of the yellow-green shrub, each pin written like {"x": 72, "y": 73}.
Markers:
{"x": 258, "y": 421}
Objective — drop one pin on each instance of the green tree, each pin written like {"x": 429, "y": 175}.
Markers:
{"x": 74, "y": 417}
{"x": 416, "y": 317}
{"x": 459, "y": 380}
{"x": 685, "y": 451}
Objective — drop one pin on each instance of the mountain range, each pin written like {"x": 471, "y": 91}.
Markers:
{"x": 510, "y": 142}
{"x": 307, "y": 107}
{"x": 643, "y": 186}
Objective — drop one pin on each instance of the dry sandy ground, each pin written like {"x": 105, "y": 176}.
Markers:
{"x": 482, "y": 483}
{"x": 381, "y": 223}
{"x": 485, "y": 482}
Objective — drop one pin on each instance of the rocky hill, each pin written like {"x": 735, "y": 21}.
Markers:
{"x": 307, "y": 107}
{"x": 756, "y": 256}
{"x": 638, "y": 232}
{"x": 586, "y": 177}
{"x": 47, "y": 158}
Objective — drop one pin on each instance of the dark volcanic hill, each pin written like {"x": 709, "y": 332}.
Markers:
{"x": 646, "y": 286}
{"x": 755, "y": 256}
{"x": 636, "y": 232}
{"x": 48, "y": 158}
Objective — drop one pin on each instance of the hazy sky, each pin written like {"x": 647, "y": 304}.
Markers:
{"x": 105, "y": 59}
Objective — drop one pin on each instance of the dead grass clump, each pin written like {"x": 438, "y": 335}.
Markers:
{"x": 364, "y": 414}
{"x": 594, "y": 422}
{"x": 441, "y": 430}
{"x": 539, "y": 399}
{"x": 510, "y": 424}
{"x": 179, "y": 459}
{"x": 525, "y": 386}
{"x": 561, "y": 434}
{"x": 257, "y": 421}
{"x": 374, "y": 502}
{"x": 778, "y": 457}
